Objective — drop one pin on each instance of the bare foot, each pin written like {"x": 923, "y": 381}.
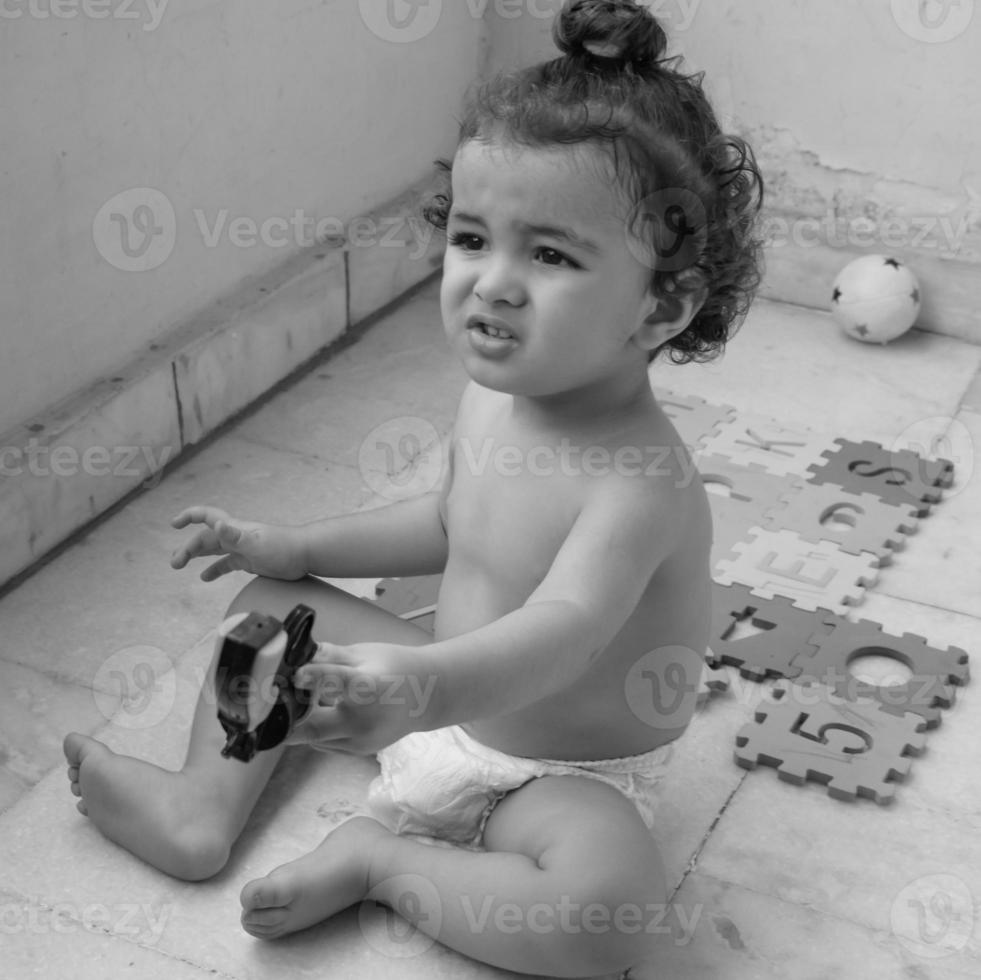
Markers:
{"x": 315, "y": 886}
{"x": 146, "y": 809}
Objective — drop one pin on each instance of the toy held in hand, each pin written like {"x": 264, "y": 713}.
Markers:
{"x": 875, "y": 299}
{"x": 258, "y": 704}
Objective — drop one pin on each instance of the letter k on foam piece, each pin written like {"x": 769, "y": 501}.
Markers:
{"x": 781, "y": 451}
{"x": 813, "y": 576}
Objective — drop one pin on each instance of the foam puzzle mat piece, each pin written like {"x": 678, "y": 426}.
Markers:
{"x": 713, "y": 681}
{"x": 935, "y": 673}
{"x": 856, "y": 522}
{"x": 853, "y": 747}
{"x": 898, "y": 477}
{"x": 789, "y": 632}
{"x": 695, "y": 419}
{"x": 410, "y": 598}
{"x": 739, "y": 497}
{"x": 813, "y": 575}
{"x": 755, "y": 439}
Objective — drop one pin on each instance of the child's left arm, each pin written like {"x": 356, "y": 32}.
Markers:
{"x": 594, "y": 584}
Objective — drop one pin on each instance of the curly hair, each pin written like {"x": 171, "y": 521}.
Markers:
{"x": 695, "y": 191}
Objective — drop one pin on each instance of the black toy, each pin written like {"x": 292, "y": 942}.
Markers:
{"x": 258, "y": 705}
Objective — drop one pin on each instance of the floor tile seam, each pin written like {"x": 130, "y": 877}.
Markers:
{"x": 311, "y": 457}
{"x": 807, "y": 906}
{"x": 877, "y": 589}
{"x": 692, "y": 864}
{"x": 11, "y": 897}
{"x": 343, "y": 459}
{"x": 69, "y": 680}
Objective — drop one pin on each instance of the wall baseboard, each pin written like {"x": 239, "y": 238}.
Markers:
{"x": 950, "y": 288}
{"x": 64, "y": 468}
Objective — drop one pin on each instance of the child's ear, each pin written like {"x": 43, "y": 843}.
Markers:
{"x": 670, "y": 315}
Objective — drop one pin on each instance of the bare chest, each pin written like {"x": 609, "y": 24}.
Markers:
{"x": 511, "y": 505}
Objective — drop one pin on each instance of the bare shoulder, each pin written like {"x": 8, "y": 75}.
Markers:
{"x": 652, "y": 485}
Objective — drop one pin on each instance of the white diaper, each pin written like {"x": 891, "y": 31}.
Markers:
{"x": 444, "y": 784}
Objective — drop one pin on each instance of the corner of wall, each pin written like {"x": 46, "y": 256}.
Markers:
{"x": 63, "y": 468}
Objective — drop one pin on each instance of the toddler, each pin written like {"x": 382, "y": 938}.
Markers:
{"x": 596, "y": 217}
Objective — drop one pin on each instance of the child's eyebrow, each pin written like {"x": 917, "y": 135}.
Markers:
{"x": 547, "y": 231}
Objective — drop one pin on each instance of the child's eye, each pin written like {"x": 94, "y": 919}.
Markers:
{"x": 467, "y": 241}
{"x": 550, "y": 256}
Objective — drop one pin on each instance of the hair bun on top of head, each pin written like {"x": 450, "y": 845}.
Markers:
{"x": 610, "y": 30}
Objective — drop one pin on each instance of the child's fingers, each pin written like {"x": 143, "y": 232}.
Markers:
{"x": 321, "y": 725}
{"x": 199, "y": 515}
{"x": 203, "y": 543}
{"x": 325, "y": 685}
{"x": 332, "y": 653}
{"x": 230, "y": 563}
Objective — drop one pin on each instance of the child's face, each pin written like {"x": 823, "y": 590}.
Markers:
{"x": 537, "y": 242}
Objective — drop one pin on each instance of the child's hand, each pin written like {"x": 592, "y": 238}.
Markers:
{"x": 262, "y": 549}
{"x": 365, "y": 696}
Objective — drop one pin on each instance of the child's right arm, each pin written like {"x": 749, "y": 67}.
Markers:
{"x": 402, "y": 539}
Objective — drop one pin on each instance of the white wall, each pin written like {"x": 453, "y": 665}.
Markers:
{"x": 865, "y": 118}
{"x": 255, "y": 108}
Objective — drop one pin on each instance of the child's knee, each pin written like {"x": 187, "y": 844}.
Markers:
{"x": 198, "y": 853}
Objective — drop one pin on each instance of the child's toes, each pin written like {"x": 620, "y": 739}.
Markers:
{"x": 74, "y": 747}
{"x": 266, "y": 893}
{"x": 265, "y": 923}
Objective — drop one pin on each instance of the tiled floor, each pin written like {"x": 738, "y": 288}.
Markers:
{"x": 772, "y": 881}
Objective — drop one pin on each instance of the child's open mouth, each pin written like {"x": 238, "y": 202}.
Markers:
{"x": 490, "y": 328}
{"x": 491, "y": 336}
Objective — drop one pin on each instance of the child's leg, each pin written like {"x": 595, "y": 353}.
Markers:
{"x": 571, "y": 884}
{"x": 185, "y": 822}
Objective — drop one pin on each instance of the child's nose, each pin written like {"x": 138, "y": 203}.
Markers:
{"x": 500, "y": 281}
